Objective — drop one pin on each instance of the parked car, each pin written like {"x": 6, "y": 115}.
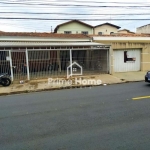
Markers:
{"x": 147, "y": 77}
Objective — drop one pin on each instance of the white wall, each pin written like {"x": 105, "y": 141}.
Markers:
{"x": 144, "y": 29}
{"x": 75, "y": 28}
{"x": 105, "y": 29}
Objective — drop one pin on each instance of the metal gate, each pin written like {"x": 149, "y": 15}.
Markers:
{"x": 18, "y": 65}
{"x": 14, "y": 64}
{"x": 49, "y": 63}
{"x": 4, "y": 62}
{"x": 26, "y": 64}
{"x": 127, "y": 60}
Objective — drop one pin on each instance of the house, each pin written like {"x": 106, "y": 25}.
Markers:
{"x": 143, "y": 29}
{"x": 129, "y": 52}
{"x": 125, "y": 31}
{"x": 106, "y": 29}
{"x": 47, "y": 54}
{"x": 74, "y": 27}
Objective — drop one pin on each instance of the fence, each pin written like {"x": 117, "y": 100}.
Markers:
{"x": 33, "y": 64}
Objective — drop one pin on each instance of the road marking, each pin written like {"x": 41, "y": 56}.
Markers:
{"x": 138, "y": 98}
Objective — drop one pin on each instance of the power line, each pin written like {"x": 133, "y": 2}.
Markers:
{"x": 58, "y": 1}
{"x": 69, "y": 5}
{"x": 79, "y": 1}
{"x": 70, "y": 13}
{"x": 69, "y": 19}
{"x": 30, "y": 19}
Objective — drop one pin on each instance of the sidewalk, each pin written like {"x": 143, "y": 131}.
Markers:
{"x": 42, "y": 84}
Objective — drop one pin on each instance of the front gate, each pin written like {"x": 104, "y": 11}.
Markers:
{"x": 4, "y": 62}
{"x": 18, "y": 65}
{"x": 14, "y": 63}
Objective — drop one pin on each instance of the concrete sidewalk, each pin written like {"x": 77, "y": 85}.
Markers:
{"x": 42, "y": 84}
{"x": 131, "y": 76}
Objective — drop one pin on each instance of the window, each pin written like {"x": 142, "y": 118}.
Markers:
{"x": 111, "y": 33}
{"x": 100, "y": 33}
{"x": 85, "y": 32}
{"x": 67, "y": 32}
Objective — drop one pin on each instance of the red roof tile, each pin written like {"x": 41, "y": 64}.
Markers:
{"x": 123, "y": 35}
{"x": 108, "y": 24}
{"x": 50, "y": 35}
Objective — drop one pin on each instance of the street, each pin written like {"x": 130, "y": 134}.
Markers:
{"x": 97, "y": 118}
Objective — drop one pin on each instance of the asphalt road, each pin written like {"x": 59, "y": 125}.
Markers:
{"x": 100, "y": 118}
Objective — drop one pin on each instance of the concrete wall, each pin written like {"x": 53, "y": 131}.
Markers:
{"x": 145, "y": 52}
{"x": 75, "y": 28}
{"x": 143, "y": 29}
{"x": 105, "y": 29}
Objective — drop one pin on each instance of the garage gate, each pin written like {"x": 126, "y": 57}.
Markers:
{"x": 127, "y": 60}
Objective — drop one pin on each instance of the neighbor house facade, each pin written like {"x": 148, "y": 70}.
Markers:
{"x": 106, "y": 29}
{"x": 143, "y": 29}
{"x": 129, "y": 52}
{"x": 78, "y": 27}
{"x": 74, "y": 27}
{"x": 125, "y": 31}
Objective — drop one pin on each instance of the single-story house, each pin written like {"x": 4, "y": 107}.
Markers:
{"x": 36, "y": 55}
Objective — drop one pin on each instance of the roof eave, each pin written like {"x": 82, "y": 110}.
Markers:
{"x": 128, "y": 38}
{"x": 41, "y": 39}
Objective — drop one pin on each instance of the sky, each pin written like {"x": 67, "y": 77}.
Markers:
{"x": 55, "y": 12}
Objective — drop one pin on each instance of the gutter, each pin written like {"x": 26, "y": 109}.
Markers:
{"x": 102, "y": 38}
{"x": 41, "y": 39}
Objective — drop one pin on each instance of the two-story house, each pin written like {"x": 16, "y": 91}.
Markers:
{"x": 74, "y": 27}
{"x": 78, "y": 27}
{"x": 143, "y": 29}
{"x": 106, "y": 29}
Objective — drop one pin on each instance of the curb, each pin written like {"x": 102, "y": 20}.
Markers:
{"x": 61, "y": 88}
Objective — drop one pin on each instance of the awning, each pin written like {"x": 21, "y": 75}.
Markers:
{"x": 56, "y": 45}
